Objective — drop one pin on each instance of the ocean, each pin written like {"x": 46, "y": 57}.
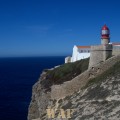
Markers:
{"x": 17, "y": 76}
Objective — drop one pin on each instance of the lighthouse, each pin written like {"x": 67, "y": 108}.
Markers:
{"x": 105, "y": 35}
{"x": 100, "y": 53}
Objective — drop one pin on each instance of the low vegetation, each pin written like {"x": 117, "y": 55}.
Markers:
{"x": 65, "y": 72}
{"x": 68, "y": 71}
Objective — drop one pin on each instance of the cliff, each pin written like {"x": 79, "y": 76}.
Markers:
{"x": 89, "y": 93}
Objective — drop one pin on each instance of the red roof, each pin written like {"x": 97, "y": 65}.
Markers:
{"x": 105, "y": 27}
{"x": 83, "y": 46}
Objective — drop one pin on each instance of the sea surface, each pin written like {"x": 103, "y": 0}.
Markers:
{"x": 17, "y": 76}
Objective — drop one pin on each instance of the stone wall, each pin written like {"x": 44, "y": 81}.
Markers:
{"x": 99, "y": 54}
{"x": 96, "y": 55}
{"x": 108, "y": 51}
{"x": 116, "y": 50}
{"x": 69, "y": 87}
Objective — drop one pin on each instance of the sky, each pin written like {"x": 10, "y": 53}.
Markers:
{"x": 53, "y": 27}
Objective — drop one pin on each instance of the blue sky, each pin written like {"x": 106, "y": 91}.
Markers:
{"x": 53, "y": 27}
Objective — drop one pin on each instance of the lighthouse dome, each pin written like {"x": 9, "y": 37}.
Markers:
{"x": 105, "y": 27}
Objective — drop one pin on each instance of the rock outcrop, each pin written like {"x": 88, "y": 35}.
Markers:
{"x": 94, "y": 94}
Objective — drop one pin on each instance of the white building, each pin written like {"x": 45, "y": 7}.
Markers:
{"x": 68, "y": 59}
{"x": 79, "y": 52}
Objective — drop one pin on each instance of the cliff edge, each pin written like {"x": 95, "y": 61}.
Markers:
{"x": 91, "y": 93}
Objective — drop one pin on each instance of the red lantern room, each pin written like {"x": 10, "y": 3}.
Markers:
{"x": 105, "y": 32}
{"x": 105, "y": 35}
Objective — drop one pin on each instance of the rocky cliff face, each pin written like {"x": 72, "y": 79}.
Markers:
{"x": 98, "y": 99}
{"x": 41, "y": 91}
{"x": 40, "y": 100}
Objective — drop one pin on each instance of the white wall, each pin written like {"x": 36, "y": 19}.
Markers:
{"x": 74, "y": 55}
{"x": 77, "y": 55}
{"x": 68, "y": 59}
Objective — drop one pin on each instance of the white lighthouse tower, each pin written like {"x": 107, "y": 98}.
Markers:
{"x": 105, "y": 35}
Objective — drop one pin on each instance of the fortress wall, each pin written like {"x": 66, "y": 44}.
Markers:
{"x": 69, "y": 87}
{"x": 96, "y": 55}
{"x": 107, "y": 51}
{"x": 116, "y": 50}
{"x": 99, "y": 54}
